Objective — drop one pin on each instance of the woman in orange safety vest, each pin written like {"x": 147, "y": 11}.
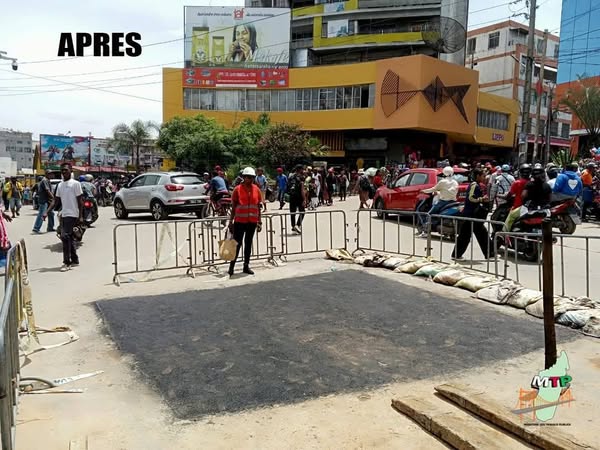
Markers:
{"x": 245, "y": 216}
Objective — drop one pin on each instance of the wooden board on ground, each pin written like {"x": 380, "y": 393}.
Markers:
{"x": 477, "y": 402}
{"x": 456, "y": 428}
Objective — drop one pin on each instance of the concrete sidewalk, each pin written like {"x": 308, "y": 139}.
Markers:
{"x": 119, "y": 411}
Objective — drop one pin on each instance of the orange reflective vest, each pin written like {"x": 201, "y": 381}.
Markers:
{"x": 246, "y": 210}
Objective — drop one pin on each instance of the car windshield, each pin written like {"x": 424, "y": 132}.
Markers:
{"x": 186, "y": 179}
{"x": 460, "y": 177}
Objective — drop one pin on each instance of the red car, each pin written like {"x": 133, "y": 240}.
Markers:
{"x": 404, "y": 192}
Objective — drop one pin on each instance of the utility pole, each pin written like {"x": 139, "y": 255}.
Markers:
{"x": 540, "y": 94}
{"x": 527, "y": 91}
{"x": 548, "y": 125}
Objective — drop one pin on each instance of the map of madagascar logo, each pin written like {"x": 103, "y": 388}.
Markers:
{"x": 550, "y": 388}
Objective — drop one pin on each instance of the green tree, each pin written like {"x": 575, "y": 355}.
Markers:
{"x": 285, "y": 144}
{"x": 195, "y": 142}
{"x": 132, "y": 137}
{"x": 242, "y": 140}
{"x": 584, "y": 102}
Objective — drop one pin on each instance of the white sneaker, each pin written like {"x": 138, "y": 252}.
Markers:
{"x": 65, "y": 268}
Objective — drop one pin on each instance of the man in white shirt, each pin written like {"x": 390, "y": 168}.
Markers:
{"x": 446, "y": 190}
{"x": 69, "y": 196}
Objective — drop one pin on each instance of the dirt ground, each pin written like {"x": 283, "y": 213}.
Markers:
{"x": 120, "y": 411}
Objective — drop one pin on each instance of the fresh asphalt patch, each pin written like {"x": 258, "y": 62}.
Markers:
{"x": 284, "y": 341}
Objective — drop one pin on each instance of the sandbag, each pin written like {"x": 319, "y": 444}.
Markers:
{"x": 430, "y": 270}
{"x": 499, "y": 293}
{"x": 523, "y": 297}
{"x": 376, "y": 261}
{"x": 592, "y": 327}
{"x": 413, "y": 266}
{"x": 360, "y": 259}
{"x": 393, "y": 262}
{"x": 561, "y": 306}
{"x": 577, "y": 319}
{"x": 450, "y": 277}
{"x": 338, "y": 254}
{"x": 476, "y": 283}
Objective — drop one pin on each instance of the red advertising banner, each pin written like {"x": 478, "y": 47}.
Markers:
{"x": 230, "y": 78}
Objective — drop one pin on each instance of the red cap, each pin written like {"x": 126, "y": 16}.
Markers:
{"x": 279, "y": 169}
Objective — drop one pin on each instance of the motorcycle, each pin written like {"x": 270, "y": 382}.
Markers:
{"x": 565, "y": 215}
{"x": 530, "y": 222}
{"x": 90, "y": 211}
{"x": 445, "y": 227}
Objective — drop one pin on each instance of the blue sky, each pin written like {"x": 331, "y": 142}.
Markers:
{"x": 30, "y": 31}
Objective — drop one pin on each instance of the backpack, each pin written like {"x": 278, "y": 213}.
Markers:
{"x": 364, "y": 183}
{"x": 293, "y": 187}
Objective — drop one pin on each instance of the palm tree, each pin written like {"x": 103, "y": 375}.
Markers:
{"x": 133, "y": 137}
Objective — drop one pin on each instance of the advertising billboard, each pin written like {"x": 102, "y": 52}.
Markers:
{"x": 237, "y": 37}
{"x": 102, "y": 153}
{"x": 244, "y": 78}
{"x": 59, "y": 149}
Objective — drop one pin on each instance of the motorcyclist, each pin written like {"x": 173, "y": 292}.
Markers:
{"x": 515, "y": 194}
{"x": 587, "y": 179}
{"x": 446, "y": 190}
{"x": 568, "y": 184}
{"x": 551, "y": 173}
{"x": 501, "y": 185}
{"x": 89, "y": 192}
{"x": 537, "y": 192}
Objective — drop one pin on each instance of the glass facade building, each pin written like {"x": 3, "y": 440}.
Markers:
{"x": 579, "y": 51}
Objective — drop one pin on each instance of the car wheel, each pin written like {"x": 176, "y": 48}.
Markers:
{"x": 120, "y": 211}
{"x": 380, "y": 207}
{"x": 158, "y": 211}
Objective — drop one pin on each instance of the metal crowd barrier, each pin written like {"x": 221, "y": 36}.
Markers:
{"x": 379, "y": 235}
{"x": 204, "y": 236}
{"x": 317, "y": 234}
{"x": 141, "y": 246}
{"x": 579, "y": 282}
{"x": 10, "y": 316}
{"x": 452, "y": 224}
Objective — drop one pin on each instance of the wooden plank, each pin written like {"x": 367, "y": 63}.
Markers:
{"x": 479, "y": 403}
{"x": 456, "y": 428}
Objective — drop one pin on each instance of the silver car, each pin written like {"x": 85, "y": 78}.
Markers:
{"x": 161, "y": 194}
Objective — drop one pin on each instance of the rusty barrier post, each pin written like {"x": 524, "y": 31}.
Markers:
{"x": 548, "y": 295}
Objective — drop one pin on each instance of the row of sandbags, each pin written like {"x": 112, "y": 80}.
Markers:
{"x": 581, "y": 312}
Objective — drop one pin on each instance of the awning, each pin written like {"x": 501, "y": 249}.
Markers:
{"x": 578, "y": 133}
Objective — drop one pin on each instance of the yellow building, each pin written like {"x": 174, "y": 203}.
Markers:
{"x": 378, "y": 111}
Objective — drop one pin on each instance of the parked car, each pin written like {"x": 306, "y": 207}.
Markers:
{"x": 161, "y": 194}
{"x": 404, "y": 193}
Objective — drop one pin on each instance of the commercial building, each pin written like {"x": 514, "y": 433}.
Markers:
{"x": 325, "y": 32}
{"x": 579, "y": 40}
{"x": 498, "y": 52}
{"x": 372, "y": 112}
{"x": 579, "y": 58}
{"x": 17, "y": 145}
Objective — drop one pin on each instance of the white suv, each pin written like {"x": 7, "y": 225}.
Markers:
{"x": 161, "y": 194}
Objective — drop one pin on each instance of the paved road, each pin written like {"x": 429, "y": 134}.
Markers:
{"x": 283, "y": 342}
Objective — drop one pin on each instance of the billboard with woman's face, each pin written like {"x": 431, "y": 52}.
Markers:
{"x": 237, "y": 37}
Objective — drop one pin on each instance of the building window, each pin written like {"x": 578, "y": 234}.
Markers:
{"x": 493, "y": 40}
{"x": 565, "y": 130}
{"x": 471, "y": 45}
{"x": 556, "y": 51}
{"x": 492, "y": 119}
{"x": 345, "y": 97}
{"x": 541, "y": 130}
{"x": 553, "y": 128}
